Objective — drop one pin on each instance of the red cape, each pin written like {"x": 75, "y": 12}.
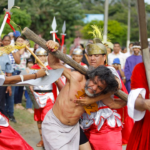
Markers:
{"x": 11, "y": 140}
{"x": 140, "y": 135}
{"x": 36, "y": 67}
{"x": 126, "y": 120}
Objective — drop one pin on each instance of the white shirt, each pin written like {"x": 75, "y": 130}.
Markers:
{"x": 120, "y": 55}
{"x": 3, "y": 119}
{"x": 2, "y": 79}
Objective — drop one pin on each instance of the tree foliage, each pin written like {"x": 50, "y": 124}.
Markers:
{"x": 43, "y": 11}
{"x": 21, "y": 19}
{"x": 116, "y": 31}
{"x": 73, "y": 11}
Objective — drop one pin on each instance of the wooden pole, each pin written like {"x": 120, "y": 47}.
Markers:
{"x": 143, "y": 37}
{"x": 41, "y": 42}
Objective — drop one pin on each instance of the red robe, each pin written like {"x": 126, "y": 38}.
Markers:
{"x": 140, "y": 135}
{"x": 40, "y": 113}
{"x": 126, "y": 120}
{"x": 11, "y": 140}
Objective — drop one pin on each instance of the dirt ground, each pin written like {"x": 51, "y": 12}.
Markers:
{"x": 26, "y": 127}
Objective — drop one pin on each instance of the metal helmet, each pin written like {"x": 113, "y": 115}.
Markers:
{"x": 77, "y": 51}
{"x": 109, "y": 44}
{"x": 96, "y": 48}
{"x": 40, "y": 51}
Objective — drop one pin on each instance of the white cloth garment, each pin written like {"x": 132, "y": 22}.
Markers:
{"x": 57, "y": 136}
{"x": 133, "y": 113}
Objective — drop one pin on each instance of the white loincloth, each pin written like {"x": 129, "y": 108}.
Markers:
{"x": 57, "y": 136}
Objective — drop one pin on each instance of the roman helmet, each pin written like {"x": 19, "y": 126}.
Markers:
{"x": 97, "y": 47}
{"x": 40, "y": 51}
{"x": 77, "y": 51}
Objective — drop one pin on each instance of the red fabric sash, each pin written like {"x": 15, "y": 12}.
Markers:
{"x": 140, "y": 135}
{"x": 62, "y": 40}
{"x": 126, "y": 120}
{"x": 8, "y": 21}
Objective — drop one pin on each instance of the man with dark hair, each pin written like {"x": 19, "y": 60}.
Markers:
{"x": 106, "y": 123}
{"x": 60, "y": 128}
{"x": 85, "y": 58}
{"x": 117, "y": 54}
{"x": 131, "y": 62}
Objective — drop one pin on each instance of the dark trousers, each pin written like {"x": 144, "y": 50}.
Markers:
{"x": 18, "y": 94}
{"x": 2, "y": 99}
{"x": 9, "y": 107}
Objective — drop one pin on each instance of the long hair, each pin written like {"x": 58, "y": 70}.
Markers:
{"x": 105, "y": 76}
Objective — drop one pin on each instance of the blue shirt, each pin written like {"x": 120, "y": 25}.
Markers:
{"x": 5, "y": 64}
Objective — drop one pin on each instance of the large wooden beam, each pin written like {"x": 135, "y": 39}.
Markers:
{"x": 41, "y": 42}
{"x": 143, "y": 37}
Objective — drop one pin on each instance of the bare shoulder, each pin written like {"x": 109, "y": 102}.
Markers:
{"x": 75, "y": 75}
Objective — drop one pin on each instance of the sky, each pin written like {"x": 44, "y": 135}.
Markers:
{"x": 147, "y": 1}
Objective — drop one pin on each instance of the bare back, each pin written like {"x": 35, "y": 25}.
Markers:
{"x": 65, "y": 109}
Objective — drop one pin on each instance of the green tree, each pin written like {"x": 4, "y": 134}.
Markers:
{"x": 116, "y": 31}
{"x": 21, "y": 19}
{"x": 43, "y": 11}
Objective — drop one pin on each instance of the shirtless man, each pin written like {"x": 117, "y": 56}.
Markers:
{"x": 60, "y": 128}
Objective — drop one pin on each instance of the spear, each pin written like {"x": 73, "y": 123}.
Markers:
{"x": 32, "y": 36}
{"x": 54, "y": 25}
{"x": 63, "y": 35}
{"x": 143, "y": 38}
{"x": 10, "y": 5}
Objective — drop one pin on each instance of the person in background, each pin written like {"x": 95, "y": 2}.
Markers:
{"x": 16, "y": 34}
{"x": 0, "y": 42}
{"x": 12, "y": 38}
{"x": 117, "y": 54}
{"x": 131, "y": 62}
{"x": 130, "y": 48}
{"x": 71, "y": 50}
{"x": 109, "y": 47}
{"x": 45, "y": 96}
{"x": 29, "y": 65}
{"x": 124, "y": 50}
{"x": 9, "y": 99}
{"x": 24, "y": 54}
{"x": 85, "y": 57}
{"x": 6, "y": 68}
{"x": 116, "y": 64}
{"x": 77, "y": 56}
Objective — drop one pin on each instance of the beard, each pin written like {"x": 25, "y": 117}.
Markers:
{"x": 87, "y": 92}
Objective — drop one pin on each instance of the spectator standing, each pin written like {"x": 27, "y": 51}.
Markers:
{"x": 9, "y": 99}
{"x": 131, "y": 62}
{"x": 30, "y": 63}
{"x": 22, "y": 66}
{"x": 116, "y": 54}
{"x": 85, "y": 57}
{"x": 6, "y": 67}
{"x": 116, "y": 64}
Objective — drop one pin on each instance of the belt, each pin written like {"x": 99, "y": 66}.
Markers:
{"x": 43, "y": 91}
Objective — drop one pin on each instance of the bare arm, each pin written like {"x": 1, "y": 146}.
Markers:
{"x": 59, "y": 84}
{"x": 54, "y": 62}
{"x": 16, "y": 57}
{"x": 142, "y": 104}
{"x": 122, "y": 74}
{"x": 15, "y": 79}
{"x": 113, "y": 103}
{"x": 90, "y": 100}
